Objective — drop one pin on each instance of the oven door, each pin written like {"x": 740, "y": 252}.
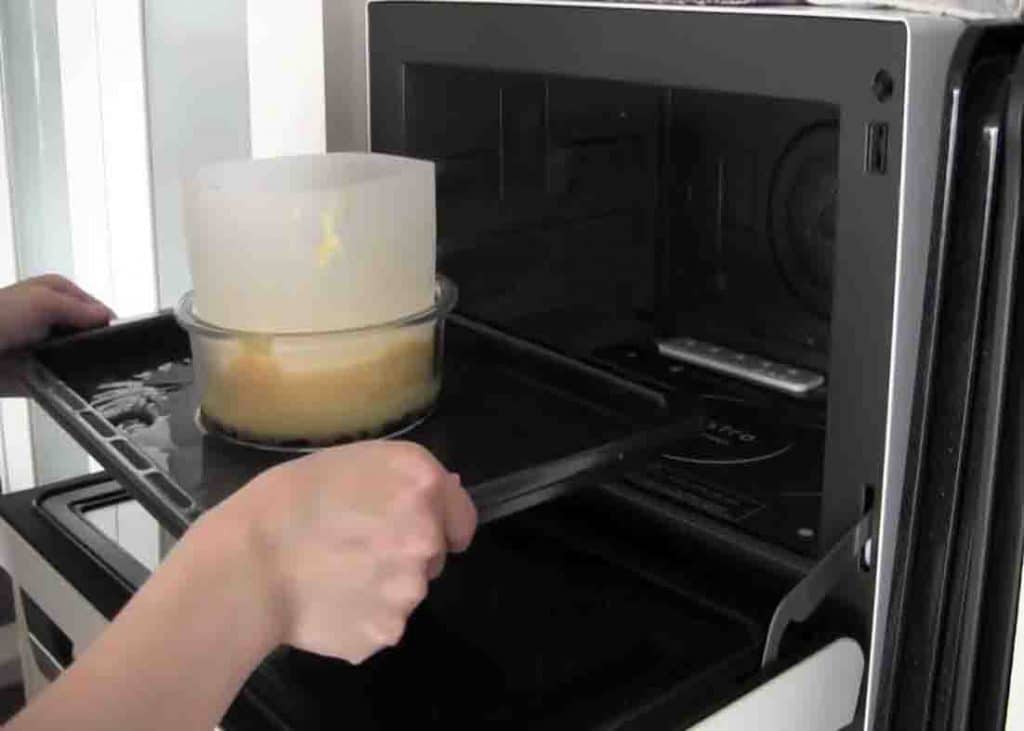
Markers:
{"x": 74, "y": 576}
{"x": 554, "y": 620}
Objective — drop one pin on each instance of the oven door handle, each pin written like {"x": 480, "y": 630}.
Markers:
{"x": 806, "y": 596}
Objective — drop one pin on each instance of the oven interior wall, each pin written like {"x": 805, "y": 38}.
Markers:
{"x": 585, "y": 213}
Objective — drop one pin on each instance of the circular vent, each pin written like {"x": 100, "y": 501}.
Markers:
{"x": 802, "y": 215}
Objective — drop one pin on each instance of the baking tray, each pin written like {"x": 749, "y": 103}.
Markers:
{"x": 520, "y": 423}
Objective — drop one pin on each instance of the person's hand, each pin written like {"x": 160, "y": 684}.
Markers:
{"x": 30, "y": 309}
{"x": 330, "y": 553}
{"x": 345, "y": 541}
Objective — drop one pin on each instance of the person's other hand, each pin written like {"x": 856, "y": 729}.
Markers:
{"x": 344, "y": 542}
{"x": 30, "y": 309}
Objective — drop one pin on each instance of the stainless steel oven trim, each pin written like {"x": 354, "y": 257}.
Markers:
{"x": 876, "y": 14}
{"x": 810, "y": 11}
{"x": 930, "y": 46}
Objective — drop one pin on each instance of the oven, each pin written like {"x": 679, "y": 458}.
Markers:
{"x": 730, "y": 204}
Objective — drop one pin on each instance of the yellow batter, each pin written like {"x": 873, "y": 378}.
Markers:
{"x": 267, "y": 392}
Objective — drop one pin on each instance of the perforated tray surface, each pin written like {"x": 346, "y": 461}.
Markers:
{"x": 519, "y": 423}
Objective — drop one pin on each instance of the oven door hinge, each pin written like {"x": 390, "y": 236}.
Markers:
{"x": 807, "y": 595}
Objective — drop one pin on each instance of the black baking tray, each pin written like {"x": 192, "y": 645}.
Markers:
{"x": 519, "y": 422}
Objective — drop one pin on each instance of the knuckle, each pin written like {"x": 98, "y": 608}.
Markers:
{"x": 360, "y": 656}
{"x": 419, "y": 549}
{"x": 426, "y": 538}
{"x": 42, "y": 303}
{"x": 420, "y": 496}
{"x": 364, "y": 648}
{"x": 422, "y": 488}
{"x": 388, "y": 632}
{"x": 49, "y": 278}
{"x": 402, "y": 595}
{"x": 418, "y": 461}
{"x": 37, "y": 295}
{"x": 417, "y": 591}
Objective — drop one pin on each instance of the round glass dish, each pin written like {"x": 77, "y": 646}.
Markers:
{"x": 310, "y": 390}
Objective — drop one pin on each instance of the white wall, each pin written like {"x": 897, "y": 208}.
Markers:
{"x": 225, "y": 80}
{"x": 286, "y": 77}
{"x": 105, "y": 107}
{"x": 106, "y": 147}
{"x": 110, "y": 104}
{"x": 39, "y": 203}
{"x": 15, "y": 439}
{"x": 345, "y": 72}
{"x": 198, "y": 107}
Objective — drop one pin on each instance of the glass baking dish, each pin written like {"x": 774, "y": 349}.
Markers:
{"x": 309, "y": 390}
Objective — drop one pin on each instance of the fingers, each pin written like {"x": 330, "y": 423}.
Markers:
{"x": 428, "y": 538}
{"x": 447, "y": 518}
{"x": 358, "y": 533}
{"x": 456, "y": 510}
{"x": 405, "y": 591}
{"x": 452, "y": 512}
{"x": 58, "y": 308}
{"x": 57, "y": 283}
{"x": 61, "y": 284}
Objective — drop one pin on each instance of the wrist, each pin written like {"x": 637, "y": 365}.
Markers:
{"x": 226, "y": 544}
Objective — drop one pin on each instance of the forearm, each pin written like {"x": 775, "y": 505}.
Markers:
{"x": 179, "y": 652}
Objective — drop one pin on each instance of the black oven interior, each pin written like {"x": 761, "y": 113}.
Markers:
{"x": 587, "y": 213}
{"x": 602, "y": 218}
